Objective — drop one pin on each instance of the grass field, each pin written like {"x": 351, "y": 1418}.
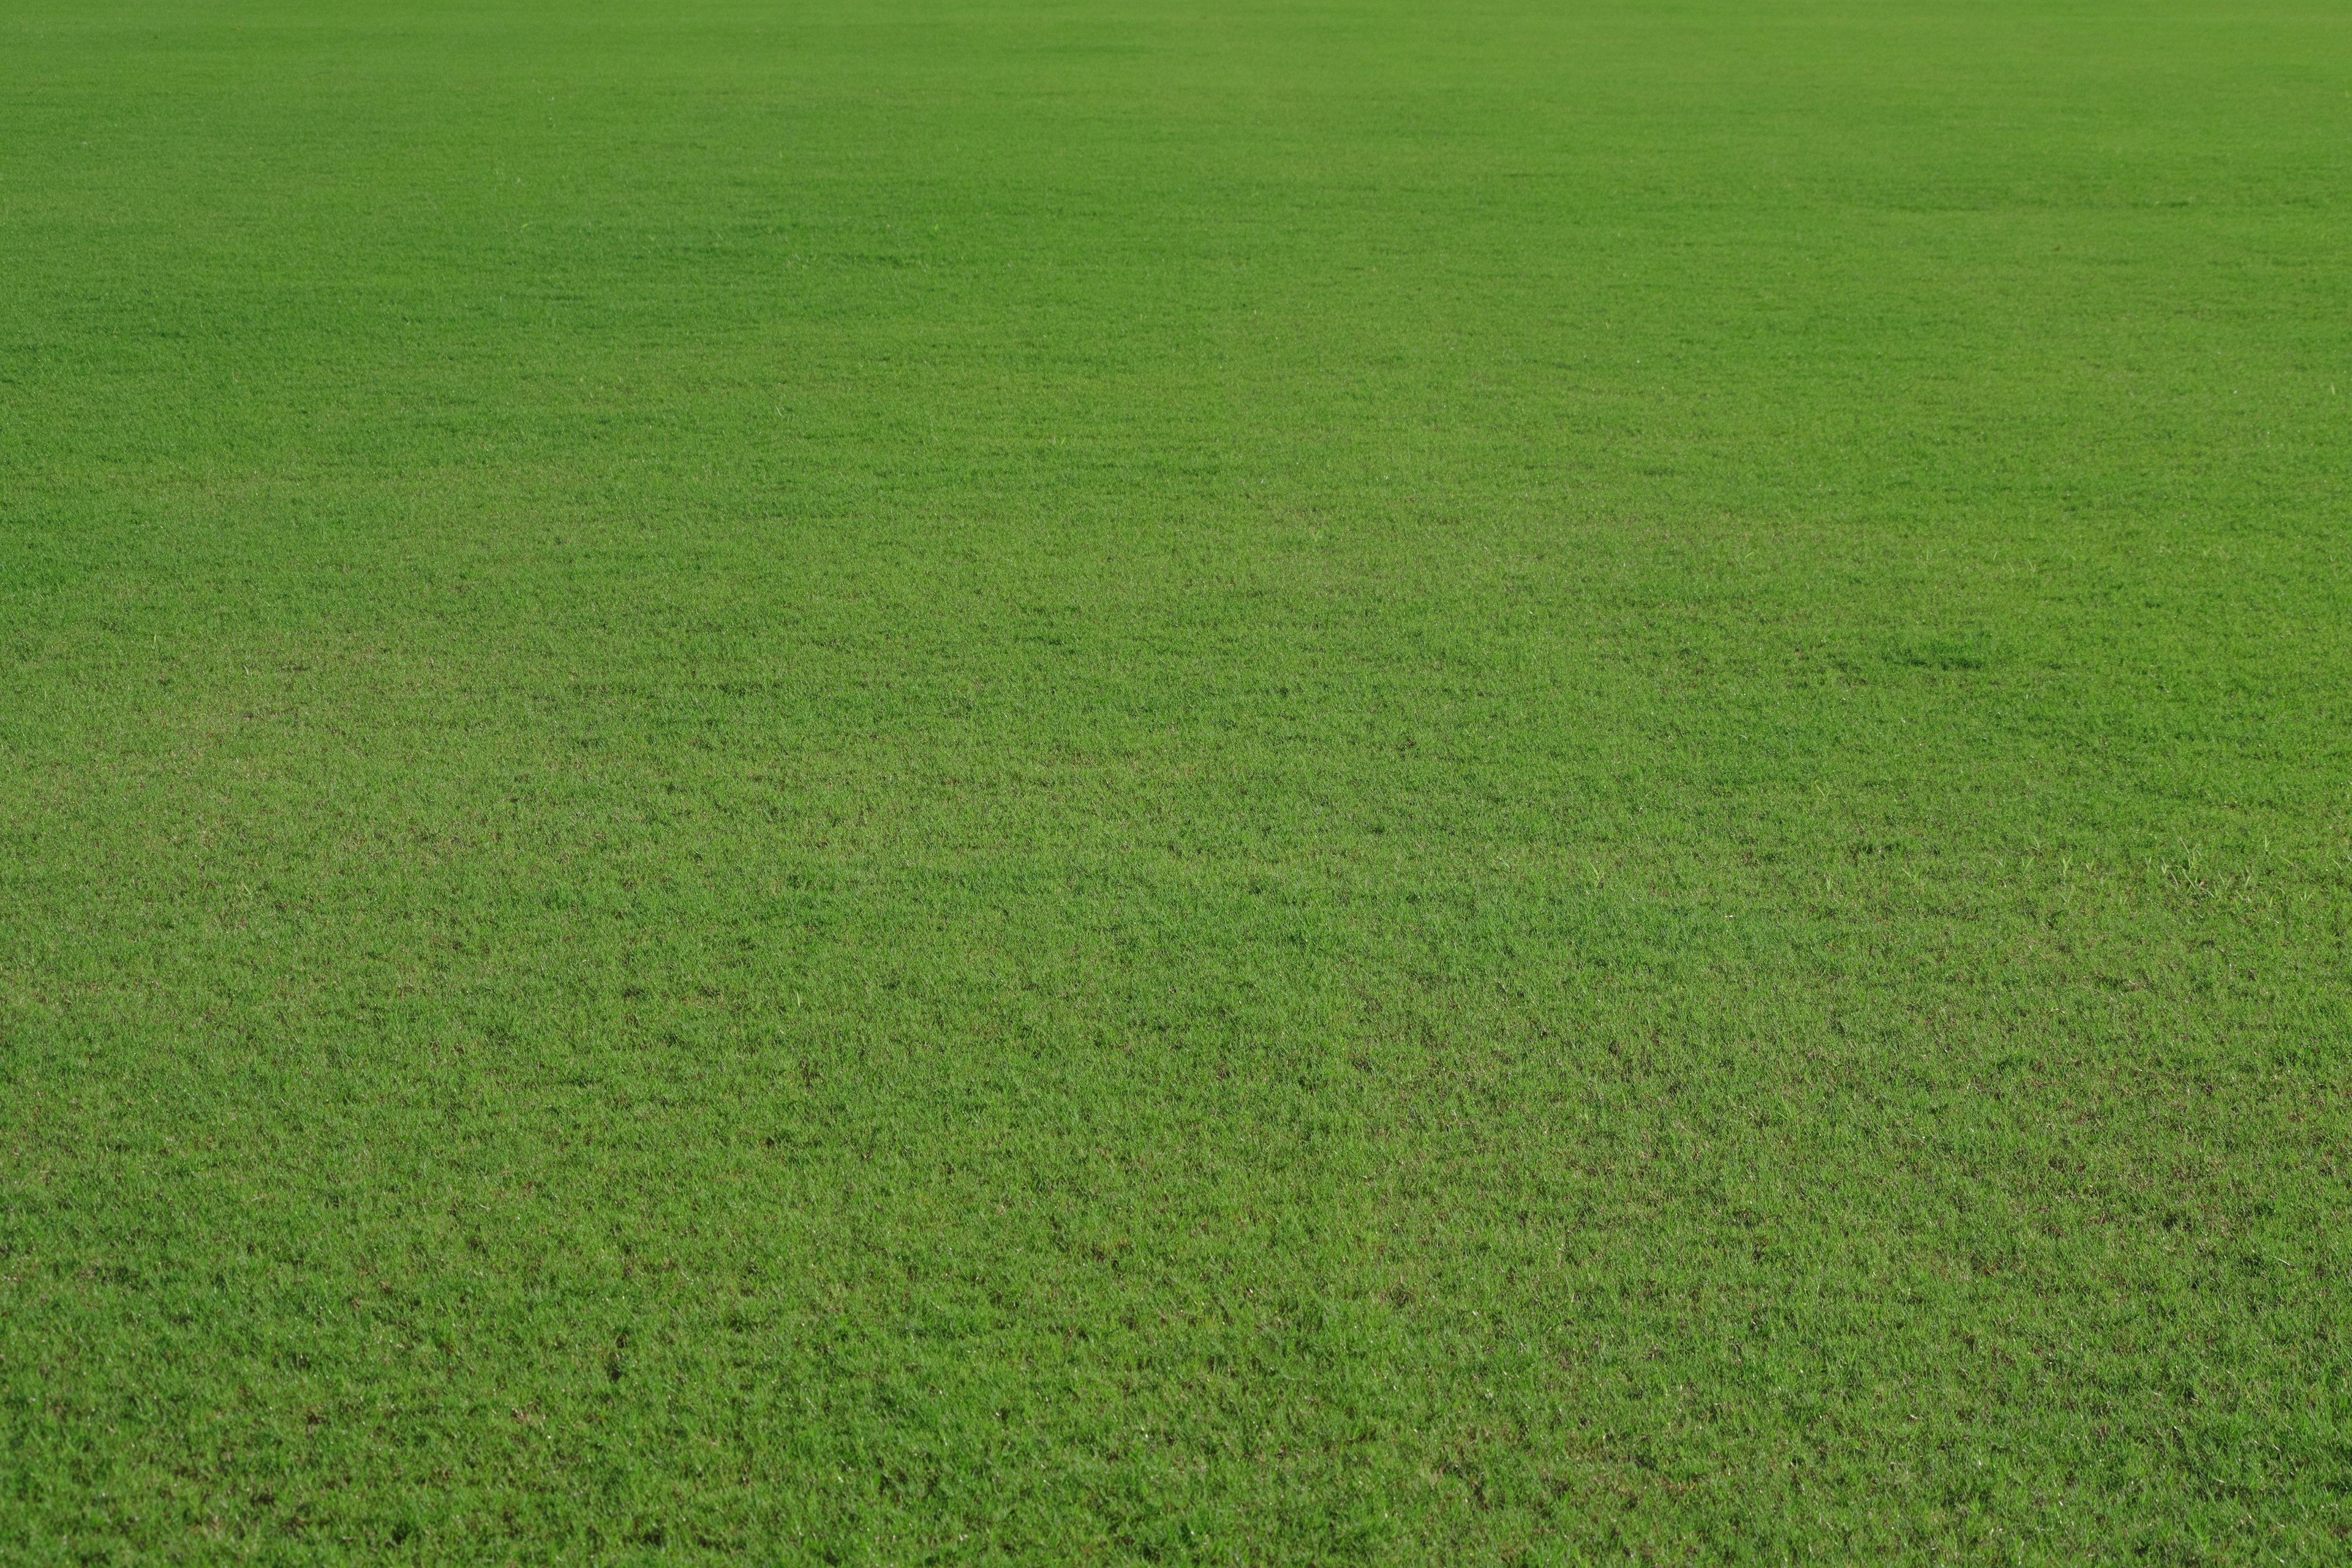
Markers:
{"x": 1215, "y": 782}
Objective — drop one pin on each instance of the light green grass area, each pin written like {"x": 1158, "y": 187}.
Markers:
{"x": 1205, "y": 782}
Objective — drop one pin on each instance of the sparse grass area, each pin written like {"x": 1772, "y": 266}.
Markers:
{"x": 1210, "y": 782}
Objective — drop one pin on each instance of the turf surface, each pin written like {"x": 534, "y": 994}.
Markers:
{"x": 1108, "y": 782}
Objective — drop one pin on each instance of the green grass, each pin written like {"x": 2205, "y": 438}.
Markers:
{"x": 1198, "y": 783}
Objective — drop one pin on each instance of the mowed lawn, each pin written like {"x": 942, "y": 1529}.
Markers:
{"x": 1229, "y": 783}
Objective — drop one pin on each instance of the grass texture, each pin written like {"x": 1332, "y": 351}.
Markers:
{"x": 1198, "y": 783}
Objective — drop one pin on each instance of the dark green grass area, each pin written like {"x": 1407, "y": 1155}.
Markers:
{"x": 1190, "y": 783}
